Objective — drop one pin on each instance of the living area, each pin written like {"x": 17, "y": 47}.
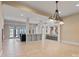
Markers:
{"x": 29, "y": 29}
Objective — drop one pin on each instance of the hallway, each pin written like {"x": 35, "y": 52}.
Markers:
{"x": 35, "y": 48}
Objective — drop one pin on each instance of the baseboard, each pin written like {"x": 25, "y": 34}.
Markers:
{"x": 71, "y": 42}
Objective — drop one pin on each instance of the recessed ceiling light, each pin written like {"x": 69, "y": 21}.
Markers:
{"x": 51, "y": 20}
{"x": 59, "y": 12}
{"x": 21, "y": 14}
{"x": 77, "y": 5}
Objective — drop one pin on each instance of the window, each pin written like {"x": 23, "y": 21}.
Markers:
{"x": 11, "y": 32}
{"x": 16, "y": 31}
{"x": 17, "y": 34}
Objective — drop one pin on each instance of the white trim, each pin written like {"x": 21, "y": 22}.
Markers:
{"x": 70, "y": 42}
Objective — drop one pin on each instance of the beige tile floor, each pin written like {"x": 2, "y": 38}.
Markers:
{"x": 51, "y": 48}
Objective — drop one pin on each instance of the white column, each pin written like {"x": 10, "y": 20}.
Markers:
{"x": 1, "y": 26}
{"x": 43, "y": 34}
{"x": 59, "y": 39}
{"x": 27, "y": 29}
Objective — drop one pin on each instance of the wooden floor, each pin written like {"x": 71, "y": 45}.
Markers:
{"x": 16, "y": 48}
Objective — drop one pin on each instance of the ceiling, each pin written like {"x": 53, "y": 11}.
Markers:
{"x": 65, "y": 7}
{"x": 15, "y": 14}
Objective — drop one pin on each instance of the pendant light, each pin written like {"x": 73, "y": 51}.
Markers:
{"x": 56, "y": 16}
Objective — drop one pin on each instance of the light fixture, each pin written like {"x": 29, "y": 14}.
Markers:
{"x": 61, "y": 22}
{"x": 59, "y": 12}
{"x": 51, "y": 18}
{"x": 22, "y": 15}
{"x": 56, "y": 16}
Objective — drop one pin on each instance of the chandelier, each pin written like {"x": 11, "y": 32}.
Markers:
{"x": 56, "y": 16}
